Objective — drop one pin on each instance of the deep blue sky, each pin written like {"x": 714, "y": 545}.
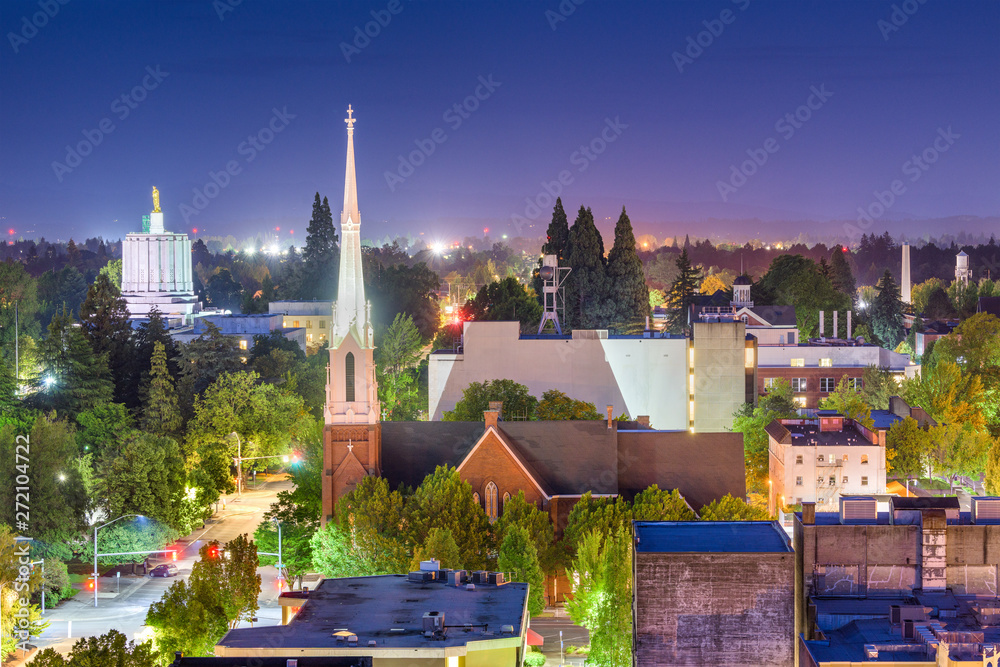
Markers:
{"x": 557, "y": 88}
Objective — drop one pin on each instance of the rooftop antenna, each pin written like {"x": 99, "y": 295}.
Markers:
{"x": 553, "y": 293}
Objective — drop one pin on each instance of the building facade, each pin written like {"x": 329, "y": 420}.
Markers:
{"x": 313, "y": 316}
{"x": 241, "y": 327}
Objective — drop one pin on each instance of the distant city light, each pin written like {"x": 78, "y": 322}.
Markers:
{"x": 486, "y": 230}
{"x": 250, "y": 251}
{"x": 10, "y": 231}
{"x": 277, "y": 229}
{"x": 194, "y": 231}
{"x": 275, "y": 249}
{"x": 437, "y": 248}
{"x": 504, "y": 236}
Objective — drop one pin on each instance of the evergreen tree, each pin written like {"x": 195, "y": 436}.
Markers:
{"x": 887, "y": 312}
{"x": 161, "y": 414}
{"x": 681, "y": 294}
{"x": 840, "y": 273}
{"x": 627, "y": 289}
{"x": 74, "y": 379}
{"x": 585, "y": 287}
{"x": 557, "y": 236}
{"x": 439, "y": 545}
{"x": 519, "y": 556}
{"x": 321, "y": 254}
{"x": 72, "y": 254}
{"x": 104, "y": 320}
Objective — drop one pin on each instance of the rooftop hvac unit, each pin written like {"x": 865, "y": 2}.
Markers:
{"x": 985, "y": 509}
{"x": 481, "y": 577}
{"x": 433, "y": 621}
{"x": 858, "y": 510}
{"x": 871, "y": 652}
{"x": 496, "y": 578}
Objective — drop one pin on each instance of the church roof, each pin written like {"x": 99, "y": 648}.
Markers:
{"x": 743, "y": 280}
{"x": 412, "y": 450}
{"x": 776, "y": 316}
{"x": 571, "y": 457}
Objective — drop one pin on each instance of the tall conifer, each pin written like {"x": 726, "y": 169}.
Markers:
{"x": 321, "y": 254}
{"x": 161, "y": 414}
{"x": 557, "y": 237}
{"x": 585, "y": 289}
{"x": 627, "y": 291}
{"x": 682, "y": 291}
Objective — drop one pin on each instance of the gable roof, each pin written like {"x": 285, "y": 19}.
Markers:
{"x": 776, "y": 316}
{"x": 569, "y": 457}
{"x": 412, "y": 450}
{"x": 525, "y": 467}
{"x": 778, "y": 431}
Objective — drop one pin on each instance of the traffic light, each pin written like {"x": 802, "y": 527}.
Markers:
{"x": 90, "y": 584}
{"x": 173, "y": 555}
{"x": 213, "y": 552}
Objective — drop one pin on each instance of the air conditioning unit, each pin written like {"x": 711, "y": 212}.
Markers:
{"x": 433, "y": 621}
{"x": 985, "y": 509}
{"x": 858, "y": 509}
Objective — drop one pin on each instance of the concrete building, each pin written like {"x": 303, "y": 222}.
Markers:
{"x": 814, "y": 370}
{"x": 241, "y": 327}
{"x": 679, "y": 382}
{"x": 712, "y": 593}
{"x": 431, "y": 617}
{"x": 770, "y": 325}
{"x": 313, "y": 316}
{"x": 156, "y": 270}
{"x": 932, "y": 331}
{"x": 916, "y": 585}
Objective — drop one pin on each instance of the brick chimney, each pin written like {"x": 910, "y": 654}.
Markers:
{"x": 498, "y": 406}
{"x": 491, "y": 417}
{"x": 643, "y": 420}
{"x": 611, "y": 415}
{"x": 808, "y": 514}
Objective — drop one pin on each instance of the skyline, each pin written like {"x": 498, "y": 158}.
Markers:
{"x": 469, "y": 130}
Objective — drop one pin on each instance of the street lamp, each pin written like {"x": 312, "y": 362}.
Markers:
{"x": 97, "y": 528}
{"x": 239, "y": 463}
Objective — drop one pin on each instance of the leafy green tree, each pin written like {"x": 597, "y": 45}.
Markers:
{"x": 113, "y": 271}
{"x": 206, "y": 358}
{"x": 519, "y": 513}
{"x": 557, "y": 235}
{"x": 841, "y": 276}
{"x": 145, "y": 337}
{"x": 476, "y": 398}
{"x": 296, "y": 543}
{"x": 263, "y": 346}
{"x": 611, "y": 635}
{"x": 878, "y": 385}
{"x": 849, "y": 402}
{"x": 557, "y": 406}
{"x": 681, "y": 294}
{"x": 104, "y": 320}
{"x": 17, "y": 288}
{"x": 104, "y": 425}
{"x": 58, "y": 500}
{"x": 337, "y": 554}
{"x": 960, "y": 448}
{"x": 444, "y": 500}
{"x": 887, "y": 312}
{"x": 74, "y": 378}
{"x": 910, "y": 446}
{"x": 948, "y": 395}
{"x": 586, "y": 291}
{"x": 161, "y": 414}
{"x": 505, "y": 299}
{"x": 397, "y": 352}
{"x": 321, "y": 255}
{"x": 141, "y": 534}
{"x": 587, "y": 576}
{"x": 601, "y": 515}
{"x": 519, "y": 557}
{"x": 60, "y": 290}
{"x": 402, "y": 289}
{"x": 794, "y": 280}
{"x": 439, "y": 545}
{"x": 12, "y": 605}
{"x": 751, "y": 422}
{"x": 111, "y": 648}
{"x": 992, "y": 477}
{"x": 626, "y": 282}
{"x": 368, "y": 517}
{"x": 729, "y": 508}
{"x": 655, "y": 504}
{"x": 974, "y": 346}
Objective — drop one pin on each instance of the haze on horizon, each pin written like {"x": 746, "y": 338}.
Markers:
{"x": 829, "y": 102}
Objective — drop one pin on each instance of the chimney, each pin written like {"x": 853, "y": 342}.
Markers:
{"x": 834, "y": 333}
{"x": 491, "y": 417}
{"x": 498, "y": 406}
{"x": 808, "y": 514}
{"x": 822, "y": 329}
{"x": 643, "y": 420}
{"x": 611, "y": 415}
{"x": 848, "y": 324}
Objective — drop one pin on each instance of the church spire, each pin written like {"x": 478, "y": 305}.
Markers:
{"x": 350, "y": 316}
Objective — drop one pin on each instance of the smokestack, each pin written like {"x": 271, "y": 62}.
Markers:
{"x": 904, "y": 283}
{"x": 835, "y": 329}
{"x": 822, "y": 328}
{"x": 848, "y": 324}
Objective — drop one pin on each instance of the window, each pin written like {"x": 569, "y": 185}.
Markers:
{"x": 864, "y": 459}
{"x": 819, "y": 481}
{"x": 827, "y": 385}
{"x": 748, "y": 356}
{"x": 845, "y": 459}
{"x": 506, "y": 497}
{"x": 798, "y": 459}
{"x": 845, "y": 479}
{"x": 349, "y": 376}
{"x": 309, "y": 324}
{"x": 791, "y": 338}
{"x": 798, "y": 501}
{"x": 475, "y": 496}
{"x": 243, "y": 345}
{"x": 800, "y": 401}
{"x": 798, "y": 481}
{"x": 826, "y": 363}
{"x": 745, "y": 318}
{"x": 491, "y": 501}
{"x": 854, "y": 383}
{"x": 833, "y": 480}
{"x": 799, "y": 384}
{"x": 309, "y": 338}
{"x": 322, "y": 324}
{"x": 798, "y": 362}
{"x": 769, "y": 383}
{"x": 295, "y": 323}
{"x": 864, "y": 481}
{"x": 819, "y": 459}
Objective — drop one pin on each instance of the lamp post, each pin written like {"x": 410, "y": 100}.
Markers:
{"x": 97, "y": 528}
{"x": 239, "y": 463}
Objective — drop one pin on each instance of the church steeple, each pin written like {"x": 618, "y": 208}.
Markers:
{"x": 350, "y": 313}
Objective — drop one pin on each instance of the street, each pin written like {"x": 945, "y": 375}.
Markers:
{"x": 126, "y": 611}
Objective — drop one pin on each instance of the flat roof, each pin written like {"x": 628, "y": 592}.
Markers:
{"x": 389, "y": 609}
{"x": 809, "y": 435}
{"x": 884, "y": 419}
{"x": 710, "y": 537}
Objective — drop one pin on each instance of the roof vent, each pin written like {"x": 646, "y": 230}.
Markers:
{"x": 470, "y": 587}
{"x": 371, "y": 642}
{"x": 507, "y": 629}
{"x": 858, "y": 509}
{"x": 985, "y": 509}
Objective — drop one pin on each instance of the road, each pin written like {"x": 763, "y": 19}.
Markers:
{"x": 126, "y": 611}
{"x": 572, "y": 635}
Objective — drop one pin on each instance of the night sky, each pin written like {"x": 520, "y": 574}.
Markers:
{"x": 201, "y": 77}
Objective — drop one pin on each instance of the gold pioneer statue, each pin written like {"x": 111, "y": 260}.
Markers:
{"x": 156, "y": 200}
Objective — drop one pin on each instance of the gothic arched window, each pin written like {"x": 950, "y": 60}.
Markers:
{"x": 349, "y": 376}
{"x": 475, "y": 496}
{"x": 491, "y": 501}
{"x": 506, "y": 497}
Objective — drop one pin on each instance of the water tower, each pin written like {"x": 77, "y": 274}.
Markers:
{"x": 962, "y": 270}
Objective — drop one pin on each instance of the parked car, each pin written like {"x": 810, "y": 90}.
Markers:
{"x": 165, "y": 570}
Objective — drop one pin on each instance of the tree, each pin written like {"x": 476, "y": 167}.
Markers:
{"x": 439, "y": 545}
{"x": 111, "y": 648}
{"x": 751, "y": 422}
{"x": 402, "y": 289}
{"x": 911, "y": 448}
{"x": 13, "y": 606}
{"x": 920, "y": 295}
{"x": 519, "y": 556}
{"x": 974, "y": 346}
{"x": 841, "y": 276}
{"x": 518, "y": 512}
{"x": 233, "y": 579}
{"x": 655, "y": 504}
{"x": 368, "y": 518}
{"x": 712, "y": 284}
{"x": 144, "y": 339}
{"x": 104, "y": 318}
{"x": 113, "y": 270}
{"x": 62, "y": 290}
{"x": 585, "y": 287}
{"x": 680, "y": 296}
{"x": 444, "y": 500}
{"x": 263, "y": 346}
{"x": 503, "y": 300}
{"x": 161, "y": 414}
{"x": 75, "y": 379}
{"x": 626, "y": 286}
{"x": 557, "y": 235}
{"x": 602, "y": 594}
{"x": 206, "y": 358}
{"x": 729, "y": 508}
{"x": 140, "y": 534}
{"x": 103, "y": 425}
{"x": 557, "y": 406}
{"x": 794, "y": 280}
{"x": 337, "y": 554}
{"x": 887, "y": 312}
{"x": 948, "y": 395}
{"x": 847, "y": 400}
{"x": 321, "y": 254}
{"x": 223, "y": 291}
{"x": 992, "y": 477}
{"x": 601, "y": 515}
{"x": 878, "y": 385}
{"x": 296, "y": 542}
{"x": 17, "y": 289}
{"x": 476, "y": 398}
{"x": 960, "y": 448}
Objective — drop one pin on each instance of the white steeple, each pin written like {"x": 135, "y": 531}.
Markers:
{"x": 350, "y": 313}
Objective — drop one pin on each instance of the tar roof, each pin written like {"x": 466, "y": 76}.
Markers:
{"x": 371, "y": 607}
{"x": 809, "y": 435}
{"x": 710, "y": 537}
{"x": 884, "y": 419}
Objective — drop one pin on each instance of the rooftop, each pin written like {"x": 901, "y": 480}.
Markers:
{"x": 389, "y": 610}
{"x": 710, "y": 537}
{"x": 810, "y": 435}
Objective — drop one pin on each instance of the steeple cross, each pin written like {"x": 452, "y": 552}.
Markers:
{"x": 350, "y": 118}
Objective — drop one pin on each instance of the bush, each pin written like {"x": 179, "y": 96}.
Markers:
{"x": 534, "y": 660}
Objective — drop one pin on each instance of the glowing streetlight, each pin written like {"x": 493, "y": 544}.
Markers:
{"x": 437, "y": 248}
{"x": 49, "y": 381}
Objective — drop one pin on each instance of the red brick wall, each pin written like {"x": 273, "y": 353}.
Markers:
{"x": 492, "y": 463}
{"x": 365, "y": 441}
{"x": 812, "y": 375}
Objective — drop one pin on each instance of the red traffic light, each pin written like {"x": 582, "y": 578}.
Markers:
{"x": 173, "y": 555}
{"x": 90, "y": 585}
